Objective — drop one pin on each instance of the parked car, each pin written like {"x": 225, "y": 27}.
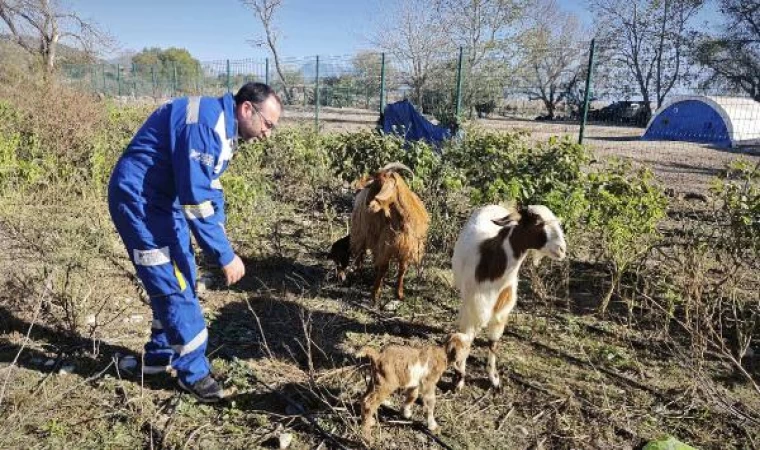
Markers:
{"x": 622, "y": 112}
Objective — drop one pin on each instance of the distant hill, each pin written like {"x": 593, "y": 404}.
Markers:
{"x": 12, "y": 54}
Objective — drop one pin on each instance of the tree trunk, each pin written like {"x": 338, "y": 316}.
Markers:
{"x": 550, "y": 107}
{"x": 278, "y": 67}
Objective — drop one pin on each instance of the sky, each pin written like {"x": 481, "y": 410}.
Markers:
{"x": 219, "y": 29}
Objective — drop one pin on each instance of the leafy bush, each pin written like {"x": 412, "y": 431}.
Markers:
{"x": 625, "y": 207}
{"x": 739, "y": 190}
{"x": 356, "y": 154}
{"x": 504, "y": 166}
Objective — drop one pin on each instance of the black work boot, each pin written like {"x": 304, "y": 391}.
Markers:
{"x": 205, "y": 390}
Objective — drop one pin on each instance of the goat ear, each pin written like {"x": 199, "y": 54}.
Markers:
{"x": 362, "y": 182}
{"x": 506, "y": 221}
{"x": 386, "y": 191}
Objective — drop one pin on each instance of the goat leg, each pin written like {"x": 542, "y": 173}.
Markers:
{"x": 428, "y": 398}
{"x": 380, "y": 272}
{"x": 402, "y": 266}
{"x": 370, "y": 404}
{"x": 493, "y": 375}
{"x": 411, "y": 397}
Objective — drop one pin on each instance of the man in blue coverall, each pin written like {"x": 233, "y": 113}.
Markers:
{"x": 165, "y": 184}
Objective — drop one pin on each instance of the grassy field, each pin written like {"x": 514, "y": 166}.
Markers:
{"x": 283, "y": 339}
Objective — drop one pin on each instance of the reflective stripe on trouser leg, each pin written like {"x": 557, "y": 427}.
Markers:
{"x": 185, "y": 329}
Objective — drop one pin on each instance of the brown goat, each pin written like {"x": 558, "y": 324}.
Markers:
{"x": 413, "y": 369}
{"x": 391, "y": 221}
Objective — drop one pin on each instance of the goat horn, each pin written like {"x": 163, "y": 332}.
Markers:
{"x": 397, "y": 166}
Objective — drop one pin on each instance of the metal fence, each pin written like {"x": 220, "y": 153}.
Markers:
{"x": 578, "y": 90}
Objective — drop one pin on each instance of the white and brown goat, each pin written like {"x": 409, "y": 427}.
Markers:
{"x": 390, "y": 221}
{"x": 487, "y": 257}
{"x": 413, "y": 369}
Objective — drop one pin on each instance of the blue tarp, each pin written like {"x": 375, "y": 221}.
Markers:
{"x": 691, "y": 121}
{"x": 402, "y": 119}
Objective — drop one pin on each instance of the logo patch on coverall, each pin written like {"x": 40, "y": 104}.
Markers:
{"x": 207, "y": 159}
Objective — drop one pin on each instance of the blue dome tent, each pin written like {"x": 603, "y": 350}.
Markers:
{"x": 402, "y": 119}
{"x": 725, "y": 122}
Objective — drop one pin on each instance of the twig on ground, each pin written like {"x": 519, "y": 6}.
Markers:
{"x": 192, "y": 435}
{"x": 261, "y": 329}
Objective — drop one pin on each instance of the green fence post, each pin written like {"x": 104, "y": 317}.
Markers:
{"x": 197, "y": 80}
{"x": 316, "y": 97}
{"x": 153, "y": 79}
{"x": 174, "y": 78}
{"x": 266, "y": 71}
{"x": 92, "y": 79}
{"x": 229, "y": 87}
{"x": 458, "y": 108}
{"x": 118, "y": 79}
{"x": 587, "y": 93}
{"x": 104, "y": 80}
{"x": 382, "y": 83}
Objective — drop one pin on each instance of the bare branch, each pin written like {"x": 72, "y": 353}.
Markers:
{"x": 47, "y": 24}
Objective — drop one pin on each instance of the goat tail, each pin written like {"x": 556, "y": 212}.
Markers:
{"x": 368, "y": 352}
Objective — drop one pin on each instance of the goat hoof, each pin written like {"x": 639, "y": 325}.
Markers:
{"x": 433, "y": 427}
{"x": 460, "y": 384}
{"x": 407, "y": 412}
{"x": 495, "y": 382}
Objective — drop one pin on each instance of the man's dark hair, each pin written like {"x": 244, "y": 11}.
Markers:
{"x": 255, "y": 93}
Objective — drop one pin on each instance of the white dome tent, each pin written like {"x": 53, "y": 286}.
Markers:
{"x": 726, "y": 122}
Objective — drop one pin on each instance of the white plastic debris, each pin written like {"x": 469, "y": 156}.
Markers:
{"x": 392, "y": 305}
{"x": 67, "y": 369}
{"x": 285, "y": 440}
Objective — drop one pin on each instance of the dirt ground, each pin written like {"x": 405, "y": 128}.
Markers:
{"x": 283, "y": 341}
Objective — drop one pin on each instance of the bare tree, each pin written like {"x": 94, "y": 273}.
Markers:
{"x": 551, "y": 63}
{"x": 649, "y": 39}
{"x": 480, "y": 26}
{"x": 734, "y": 55}
{"x": 486, "y": 30}
{"x": 265, "y": 11}
{"x": 413, "y": 34}
{"x": 38, "y": 26}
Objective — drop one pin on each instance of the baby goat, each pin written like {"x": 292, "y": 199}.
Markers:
{"x": 487, "y": 258}
{"x": 412, "y": 369}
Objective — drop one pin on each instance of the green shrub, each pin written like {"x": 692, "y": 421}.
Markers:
{"x": 625, "y": 207}
{"x": 738, "y": 189}
{"x": 356, "y": 154}
{"x": 505, "y": 166}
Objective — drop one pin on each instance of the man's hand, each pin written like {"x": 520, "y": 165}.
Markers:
{"x": 234, "y": 271}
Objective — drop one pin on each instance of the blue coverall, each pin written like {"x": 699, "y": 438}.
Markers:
{"x": 166, "y": 181}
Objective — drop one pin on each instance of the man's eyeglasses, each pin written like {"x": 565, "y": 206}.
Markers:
{"x": 267, "y": 123}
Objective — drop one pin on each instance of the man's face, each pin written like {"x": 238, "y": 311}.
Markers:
{"x": 258, "y": 121}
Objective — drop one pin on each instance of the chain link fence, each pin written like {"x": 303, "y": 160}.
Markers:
{"x": 679, "y": 120}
